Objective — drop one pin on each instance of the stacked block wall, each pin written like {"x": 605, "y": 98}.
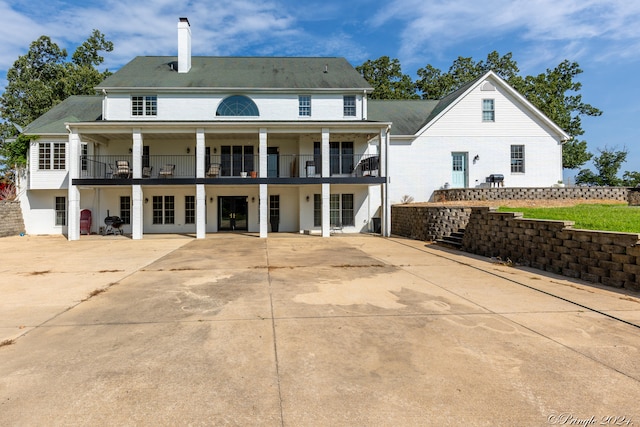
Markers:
{"x": 518, "y": 193}
{"x": 612, "y": 259}
{"x": 11, "y": 221}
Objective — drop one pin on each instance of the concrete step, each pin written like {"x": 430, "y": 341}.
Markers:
{"x": 454, "y": 239}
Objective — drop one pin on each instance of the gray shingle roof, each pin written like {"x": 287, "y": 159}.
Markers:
{"x": 237, "y": 72}
{"x": 407, "y": 116}
{"x": 78, "y": 108}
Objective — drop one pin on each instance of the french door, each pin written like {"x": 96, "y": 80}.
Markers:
{"x": 232, "y": 213}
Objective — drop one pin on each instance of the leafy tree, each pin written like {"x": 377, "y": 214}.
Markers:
{"x": 607, "y": 164}
{"x": 631, "y": 179}
{"x": 42, "y": 78}
{"x": 385, "y": 75}
{"x": 434, "y": 84}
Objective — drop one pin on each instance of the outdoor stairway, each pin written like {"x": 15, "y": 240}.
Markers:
{"x": 454, "y": 239}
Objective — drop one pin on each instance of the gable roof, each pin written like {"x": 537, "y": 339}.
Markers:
{"x": 76, "y": 108}
{"x": 224, "y": 73}
{"x": 415, "y": 116}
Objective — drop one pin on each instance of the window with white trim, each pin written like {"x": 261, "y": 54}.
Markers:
{"x": 125, "y": 209}
{"x": 144, "y": 105}
{"x": 517, "y": 159}
{"x": 304, "y": 105}
{"x": 488, "y": 110}
{"x": 52, "y": 155}
{"x": 61, "y": 211}
{"x": 341, "y": 212}
{"x": 189, "y": 209}
{"x": 349, "y": 106}
{"x": 164, "y": 210}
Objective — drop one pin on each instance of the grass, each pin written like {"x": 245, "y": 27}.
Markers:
{"x": 621, "y": 218}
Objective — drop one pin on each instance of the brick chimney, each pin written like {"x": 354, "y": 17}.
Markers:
{"x": 184, "y": 45}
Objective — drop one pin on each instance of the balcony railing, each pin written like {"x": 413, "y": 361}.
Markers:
{"x": 220, "y": 166}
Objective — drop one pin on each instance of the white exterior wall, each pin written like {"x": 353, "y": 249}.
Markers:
{"x": 197, "y": 107}
{"x": 38, "y": 211}
{"x": 49, "y": 178}
{"x": 366, "y": 201}
{"x": 424, "y": 164}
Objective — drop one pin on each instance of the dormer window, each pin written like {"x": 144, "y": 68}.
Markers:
{"x": 237, "y": 105}
{"x": 144, "y": 105}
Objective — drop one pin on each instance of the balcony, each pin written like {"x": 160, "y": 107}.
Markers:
{"x": 228, "y": 166}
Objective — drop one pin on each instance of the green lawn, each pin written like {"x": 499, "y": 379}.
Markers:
{"x": 590, "y": 217}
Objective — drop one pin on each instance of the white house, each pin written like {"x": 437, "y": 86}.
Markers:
{"x": 206, "y": 144}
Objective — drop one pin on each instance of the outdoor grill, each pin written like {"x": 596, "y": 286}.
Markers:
{"x": 496, "y": 179}
{"x": 113, "y": 224}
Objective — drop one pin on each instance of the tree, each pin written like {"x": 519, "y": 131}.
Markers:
{"x": 607, "y": 164}
{"x": 631, "y": 179}
{"x": 385, "y": 75}
{"x": 39, "y": 80}
{"x": 434, "y": 84}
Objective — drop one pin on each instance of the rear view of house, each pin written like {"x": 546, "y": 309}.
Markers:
{"x": 197, "y": 145}
{"x": 205, "y": 144}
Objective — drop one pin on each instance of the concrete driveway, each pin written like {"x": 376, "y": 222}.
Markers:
{"x": 304, "y": 331}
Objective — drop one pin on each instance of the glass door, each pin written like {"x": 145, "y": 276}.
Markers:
{"x": 459, "y": 170}
{"x": 232, "y": 213}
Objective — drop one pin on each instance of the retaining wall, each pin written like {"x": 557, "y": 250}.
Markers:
{"x": 426, "y": 222}
{"x": 612, "y": 259}
{"x": 11, "y": 221}
{"x": 539, "y": 193}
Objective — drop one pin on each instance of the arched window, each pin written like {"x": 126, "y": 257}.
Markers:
{"x": 237, "y": 105}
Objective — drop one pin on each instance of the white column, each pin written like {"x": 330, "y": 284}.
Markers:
{"x": 137, "y": 154}
{"x": 264, "y": 189}
{"x": 384, "y": 171}
{"x": 324, "y": 149}
{"x": 264, "y": 209}
{"x": 73, "y": 213}
{"x": 201, "y": 211}
{"x": 200, "y": 153}
{"x": 137, "y": 212}
{"x": 326, "y": 210}
{"x": 262, "y": 149}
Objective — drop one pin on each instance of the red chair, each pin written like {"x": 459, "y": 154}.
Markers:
{"x": 85, "y": 221}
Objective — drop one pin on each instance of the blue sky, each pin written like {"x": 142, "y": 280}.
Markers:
{"x": 603, "y": 36}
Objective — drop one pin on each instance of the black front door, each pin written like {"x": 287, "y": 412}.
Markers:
{"x": 232, "y": 213}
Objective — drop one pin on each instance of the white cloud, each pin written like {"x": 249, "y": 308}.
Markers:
{"x": 587, "y": 26}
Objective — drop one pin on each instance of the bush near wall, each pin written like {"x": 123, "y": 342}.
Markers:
{"x": 612, "y": 259}
{"x": 11, "y": 223}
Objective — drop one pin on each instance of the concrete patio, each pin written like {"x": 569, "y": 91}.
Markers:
{"x": 304, "y": 331}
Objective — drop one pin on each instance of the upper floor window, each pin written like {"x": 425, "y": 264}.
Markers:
{"x": 488, "y": 110}
{"x": 349, "y": 106}
{"x": 144, "y": 105}
{"x": 237, "y": 105}
{"x": 52, "y": 155}
{"x": 304, "y": 105}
